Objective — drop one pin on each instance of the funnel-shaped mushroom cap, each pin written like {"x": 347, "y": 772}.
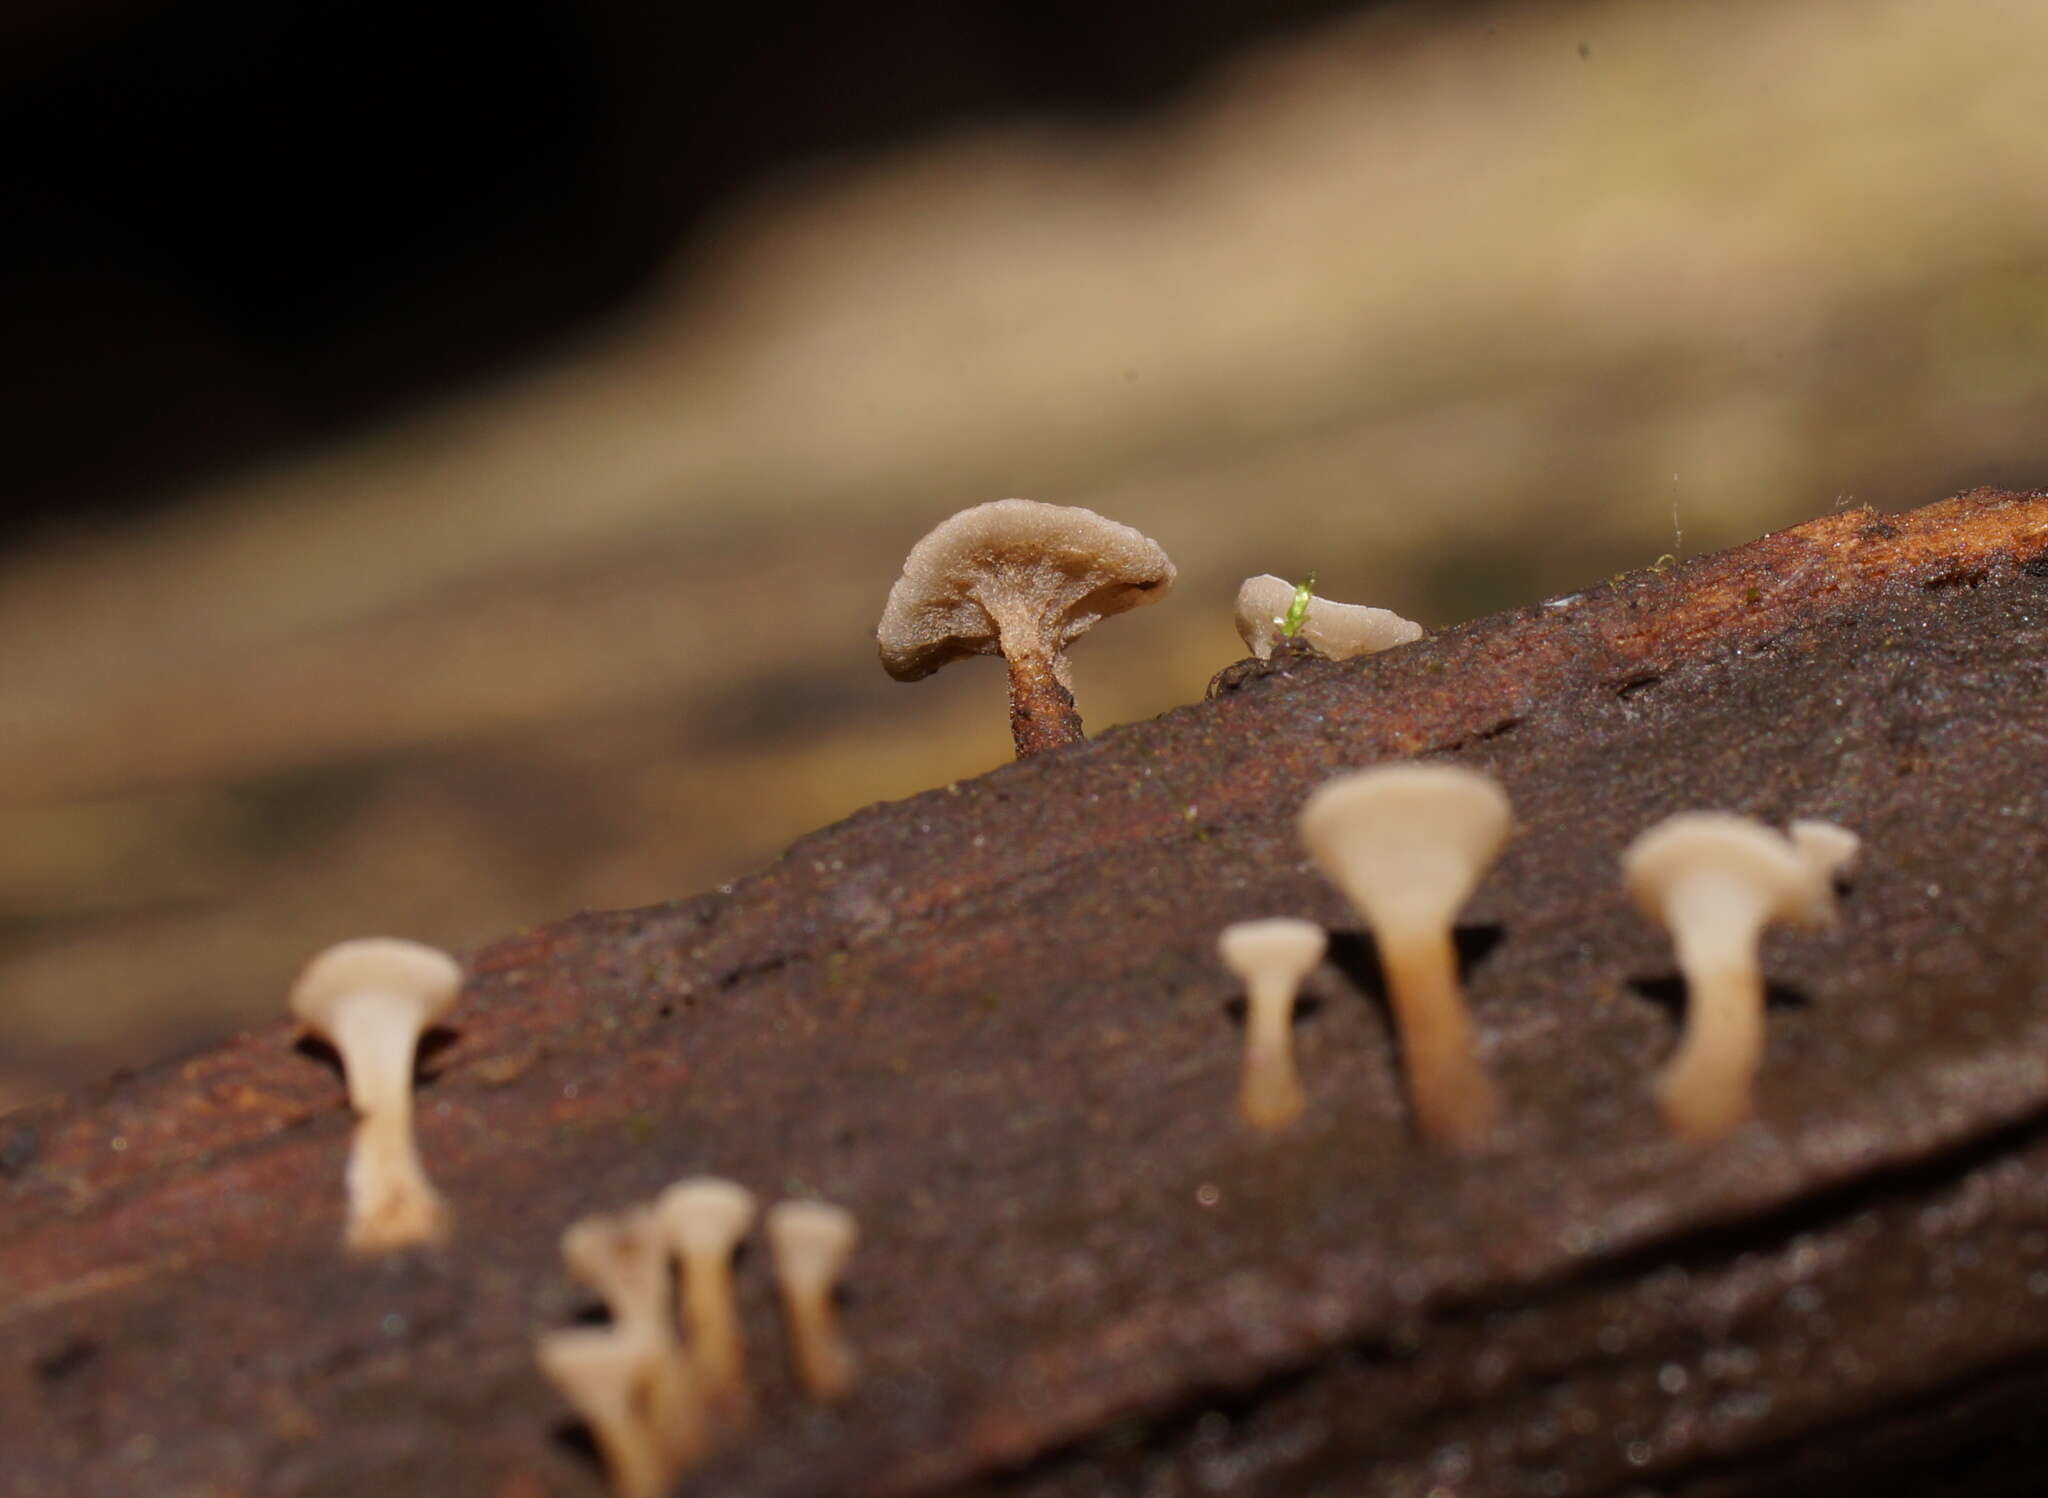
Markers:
{"x": 1281, "y": 950}
{"x": 1040, "y": 574}
{"x": 705, "y": 1215}
{"x": 1826, "y": 848}
{"x": 1406, "y": 843}
{"x": 1336, "y": 630}
{"x": 1761, "y": 871}
{"x": 622, "y": 1257}
{"x": 422, "y": 975}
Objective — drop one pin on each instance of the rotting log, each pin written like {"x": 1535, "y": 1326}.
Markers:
{"x": 990, "y": 1020}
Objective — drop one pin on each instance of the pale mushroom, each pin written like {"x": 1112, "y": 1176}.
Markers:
{"x": 1022, "y": 580}
{"x": 1715, "y": 881}
{"x": 1270, "y": 958}
{"x": 623, "y": 1256}
{"x": 1335, "y": 630}
{"x": 603, "y": 1375}
{"x": 1407, "y": 844}
{"x": 372, "y": 999}
{"x": 811, "y": 1242}
{"x": 704, "y": 1220}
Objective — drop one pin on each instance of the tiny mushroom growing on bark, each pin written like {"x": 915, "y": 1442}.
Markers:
{"x": 622, "y": 1256}
{"x": 1336, "y": 630}
{"x": 812, "y": 1242}
{"x": 704, "y": 1220}
{"x": 1407, "y": 844}
{"x": 1022, "y": 580}
{"x": 603, "y": 1375}
{"x": 1715, "y": 881}
{"x": 372, "y": 999}
{"x": 1271, "y": 958}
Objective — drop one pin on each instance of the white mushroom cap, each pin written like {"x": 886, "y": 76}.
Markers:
{"x": 811, "y": 1242}
{"x": 706, "y": 1215}
{"x": 1406, "y": 843}
{"x": 1336, "y": 630}
{"x": 371, "y": 999}
{"x": 1703, "y": 854}
{"x": 623, "y": 1257}
{"x": 606, "y": 1379}
{"x": 1271, "y": 957}
{"x": 1281, "y": 950}
{"x": 1019, "y": 571}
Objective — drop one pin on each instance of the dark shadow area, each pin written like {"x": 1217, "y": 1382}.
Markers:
{"x": 436, "y": 1040}
{"x": 234, "y": 225}
{"x": 574, "y": 1437}
{"x": 1358, "y": 957}
{"x": 1667, "y": 992}
{"x": 1306, "y": 1007}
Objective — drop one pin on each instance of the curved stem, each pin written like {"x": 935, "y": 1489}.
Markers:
{"x": 1705, "y": 1090}
{"x": 1042, "y": 712}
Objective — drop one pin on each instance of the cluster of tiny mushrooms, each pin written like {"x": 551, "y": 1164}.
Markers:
{"x": 1406, "y": 844}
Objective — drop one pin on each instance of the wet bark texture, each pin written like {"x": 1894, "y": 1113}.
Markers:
{"x": 990, "y": 1020}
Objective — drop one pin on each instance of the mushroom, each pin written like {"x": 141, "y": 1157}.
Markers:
{"x": 704, "y": 1220}
{"x": 1715, "y": 881}
{"x": 623, "y": 1257}
{"x": 1022, "y": 580}
{"x": 1406, "y": 844}
{"x": 811, "y": 1242}
{"x": 603, "y": 1376}
{"x": 372, "y": 999}
{"x": 1336, "y": 630}
{"x": 1271, "y": 958}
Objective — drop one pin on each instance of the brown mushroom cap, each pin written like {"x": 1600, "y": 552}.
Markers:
{"x": 1336, "y": 630}
{"x": 1036, "y": 575}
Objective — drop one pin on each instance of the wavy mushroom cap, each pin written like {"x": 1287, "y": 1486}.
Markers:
{"x": 1827, "y": 849}
{"x": 383, "y": 965}
{"x": 1336, "y": 630}
{"x": 1050, "y": 571}
{"x": 1735, "y": 853}
{"x": 1407, "y": 843}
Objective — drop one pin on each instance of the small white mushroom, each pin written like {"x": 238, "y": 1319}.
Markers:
{"x": 1022, "y": 580}
{"x": 1271, "y": 958}
{"x": 811, "y": 1242}
{"x": 623, "y": 1256}
{"x": 1336, "y": 630}
{"x": 371, "y": 1000}
{"x": 704, "y": 1220}
{"x": 1715, "y": 881}
{"x": 604, "y": 1376}
{"x": 1407, "y": 844}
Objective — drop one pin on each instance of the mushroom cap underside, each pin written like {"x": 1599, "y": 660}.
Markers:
{"x": 1014, "y": 565}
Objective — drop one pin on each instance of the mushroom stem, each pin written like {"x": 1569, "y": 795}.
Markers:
{"x": 812, "y": 1242}
{"x": 371, "y": 1000}
{"x": 1270, "y": 1096}
{"x": 1042, "y": 711}
{"x": 1716, "y": 924}
{"x": 704, "y": 1220}
{"x": 622, "y": 1257}
{"x": 391, "y": 1203}
{"x": 1455, "y": 1101}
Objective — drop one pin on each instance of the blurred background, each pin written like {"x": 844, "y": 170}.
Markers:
{"x": 455, "y": 456}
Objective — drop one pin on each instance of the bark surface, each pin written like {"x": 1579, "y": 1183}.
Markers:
{"x": 990, "y": 1020}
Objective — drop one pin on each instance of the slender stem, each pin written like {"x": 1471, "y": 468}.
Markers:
{"x": 1270, "y": 1096}
{"x": 391, "y": 1202}
{"x": 1455, "y": 1102}
{"x": 1706, "y": 1088}
{"x": 715, "y": 1342}
{"x": 824, "y": 1363}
